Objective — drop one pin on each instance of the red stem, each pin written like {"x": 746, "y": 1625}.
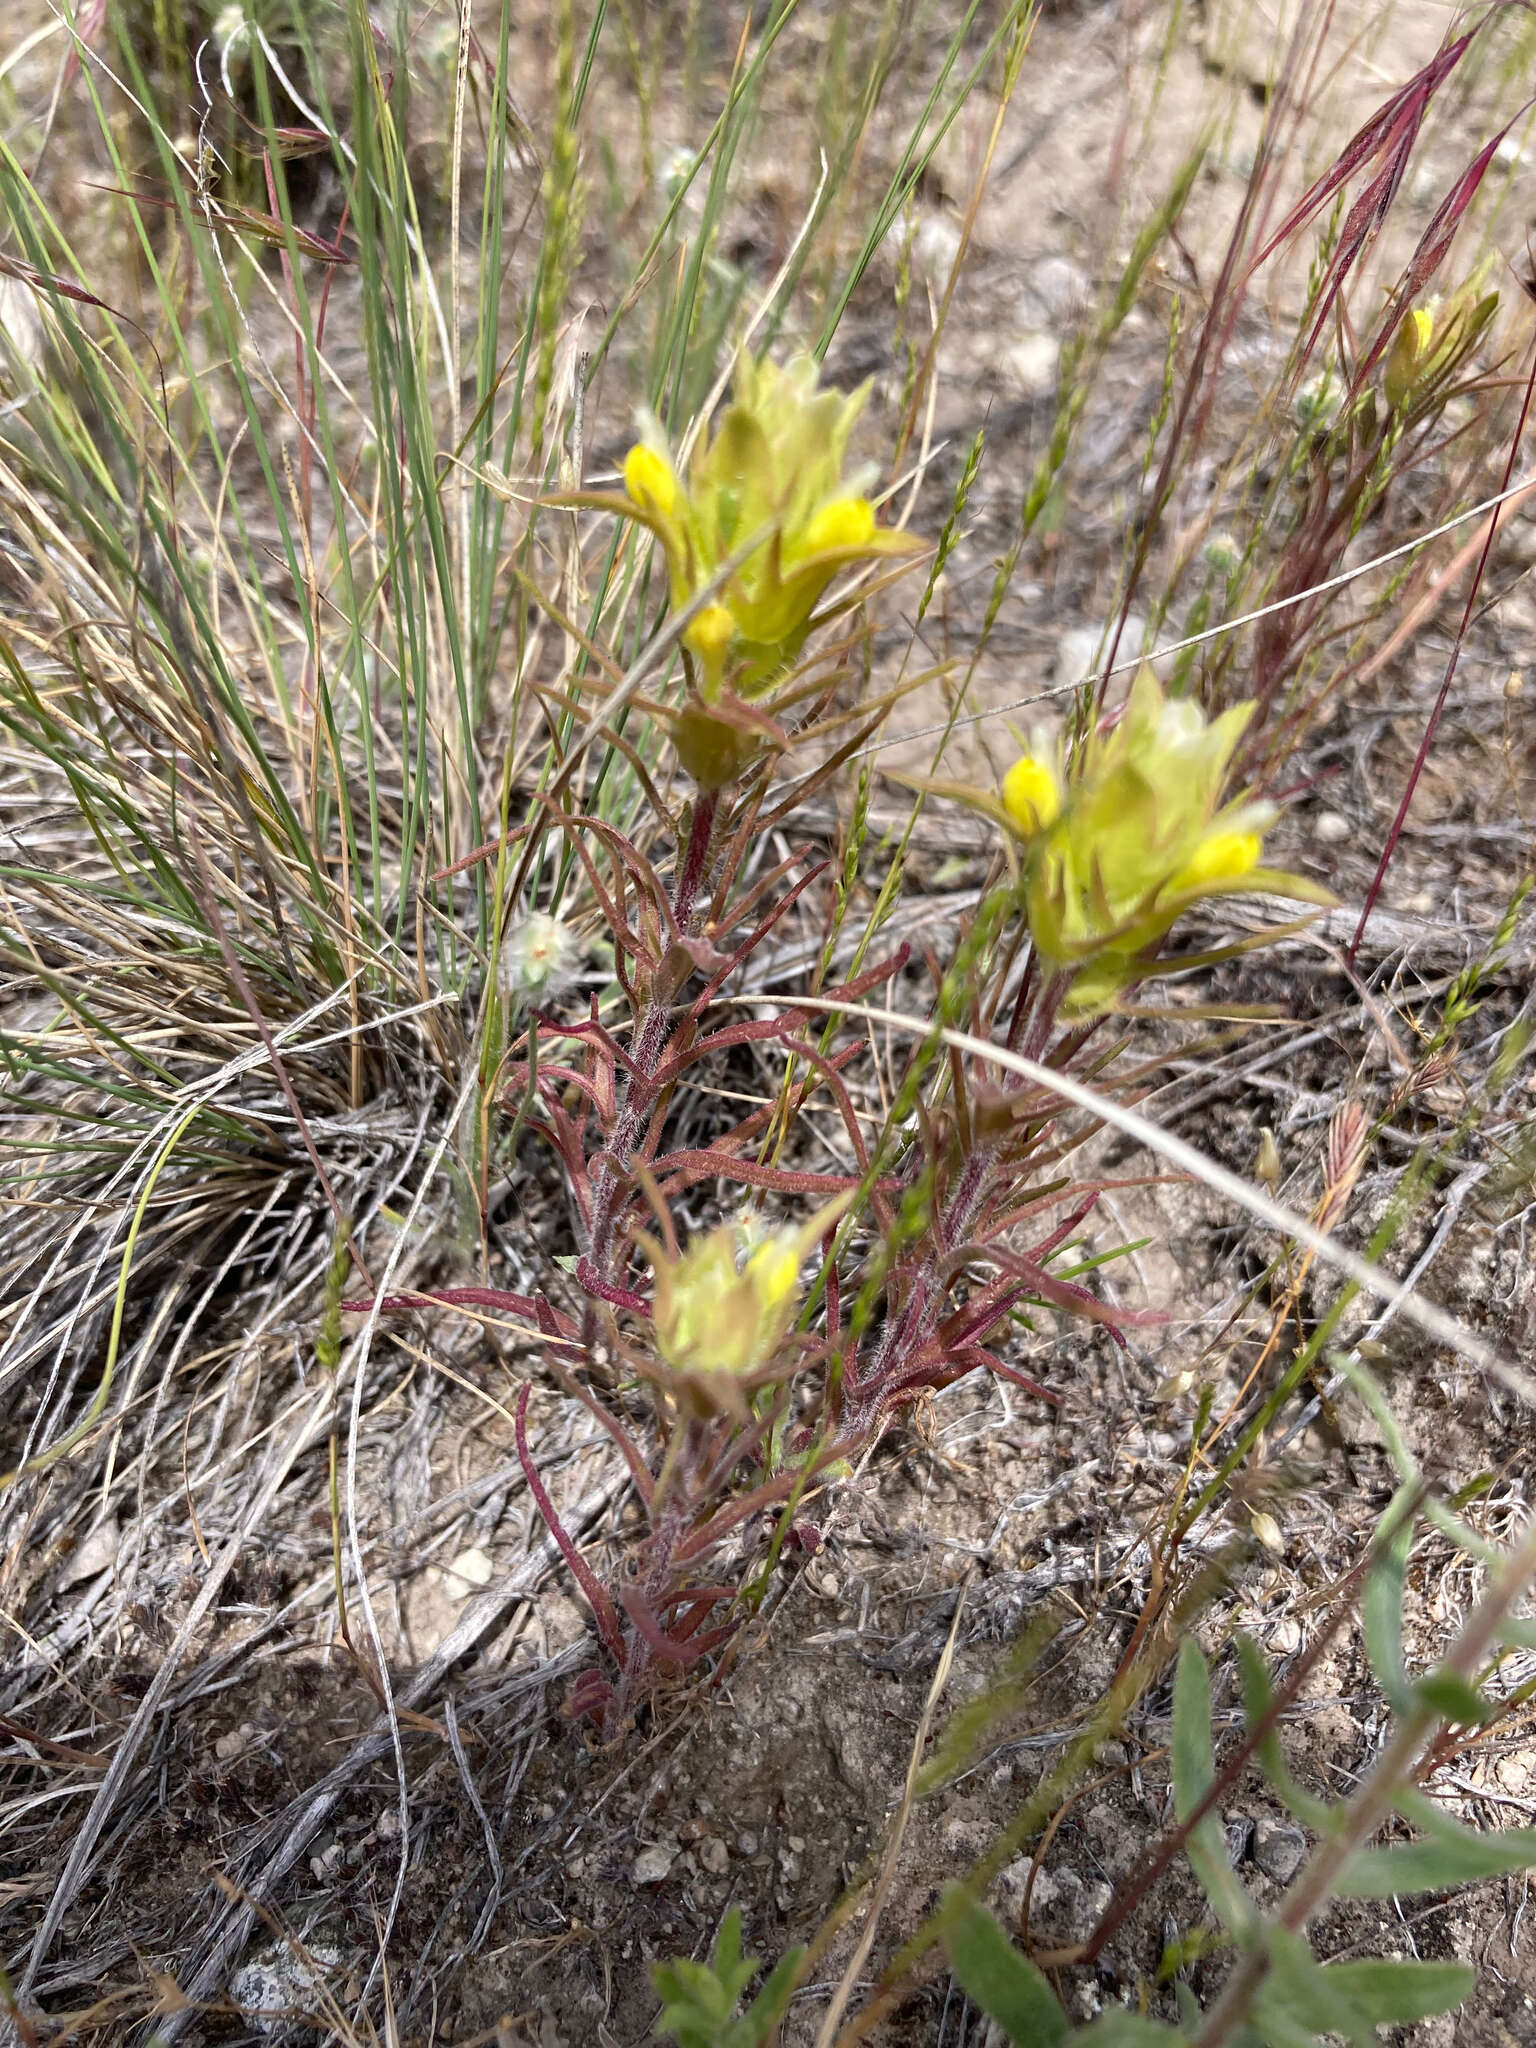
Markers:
{"x": 603, "y": 1609}
{"x": 1432, "y": 727}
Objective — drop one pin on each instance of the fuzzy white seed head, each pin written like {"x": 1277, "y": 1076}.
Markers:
{"x": 232, "y": 34}
{"x": 538, "y": 957}
{"x": 1222, "y": 553}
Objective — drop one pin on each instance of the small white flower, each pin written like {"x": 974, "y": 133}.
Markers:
{"x": 672, "y": 174}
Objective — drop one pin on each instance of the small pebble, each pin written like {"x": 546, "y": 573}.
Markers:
{"x": 653, "y": 1864}
{"x": 1097, "y": 1900}
{"x": 470, "y": 1570}
{"x": 714, "y": 1856}
{"x": 1278, "y": 1849}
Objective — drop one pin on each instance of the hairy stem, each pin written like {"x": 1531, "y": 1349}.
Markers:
{"x": 639, "y": 1093}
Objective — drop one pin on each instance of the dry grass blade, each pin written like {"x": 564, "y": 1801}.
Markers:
{"x": 1397, "y": 1294}
{"x": 832, "y": 2019}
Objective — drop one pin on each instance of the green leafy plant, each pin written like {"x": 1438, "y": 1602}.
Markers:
{"x": 1277, "y": 1992}
{"x": 701, "y": 2001}
{"x": 435, "y": 821}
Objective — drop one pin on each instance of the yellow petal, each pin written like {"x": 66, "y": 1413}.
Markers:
{"x": 845, "y": 523}
{"x": 1030, "y": 796}
{"x": 710, "y": 635}
{"x": 650, "y": 481}
{"x": 774, "y": 1271}
{"x": 1223, "y": 857}
{"x": 1408, "y": 355}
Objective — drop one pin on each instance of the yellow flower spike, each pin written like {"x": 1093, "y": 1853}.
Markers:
{"x": 1408, "y": 355}
{"x": 1030, "y": 796}
{"x": 721, "y": 1319}
{"x": 1223, "y": 857}
{"x": 650, "y": 481}
{"x": 845, "y": 523}
{"x": 759, "y": 520}
{"x": 1138, "y": 828}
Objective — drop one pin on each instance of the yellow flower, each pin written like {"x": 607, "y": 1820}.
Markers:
{"x": 1434, "y": 339}
{"x": 710, "y": 637}
{"x": 770, "y": 480}
{"x": 845, "y": 523}
{"x": 650, "y": 481}
{"x": 1222, "y": 857}
{"x": 1031, "y": 796}
{"x": 1408, "y": 355}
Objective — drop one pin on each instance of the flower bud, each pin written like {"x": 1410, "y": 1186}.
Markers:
{"x": 1408, "y": 355}
{"x": 722, "y": 1308}
{"x": 1030, "y": 796}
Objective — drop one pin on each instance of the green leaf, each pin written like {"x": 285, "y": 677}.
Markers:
{"x": 1117, "y": 2028}
{"x": 1438, "y": 1865}
{"x": 1395, "y": 1994}
{"x": 1381, "y": 1610}
{"x": 699, "y": 1999}
{"x": 1194, "y": 1759}
{"x": 1258, "y": 1695}
{"x": 1276, "y": 2025}
{"x": 1296, "y": 2000}
{"x": 1471, "y": 1852}
{"x": 767, "y": 2009}
{"x": 1194, "y": 1770}
{"x": 1453, "y": 1699}
{"x": 998, "y": 1977}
